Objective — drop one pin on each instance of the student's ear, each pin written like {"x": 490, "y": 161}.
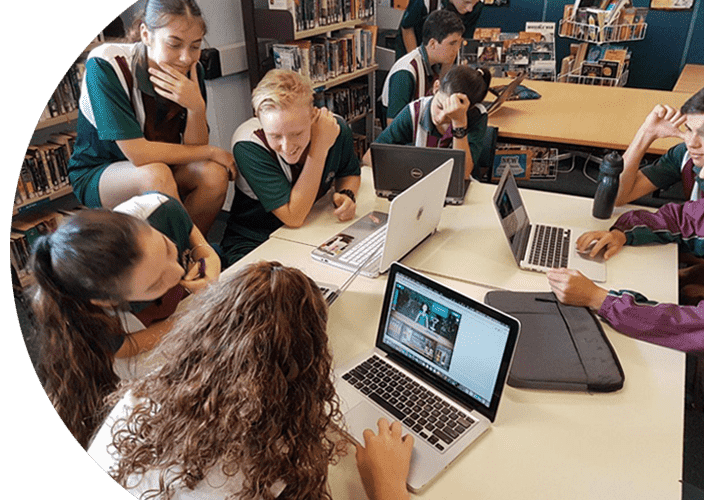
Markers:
{"x": 436, "y": 85}
{"x": 144, "y": 33}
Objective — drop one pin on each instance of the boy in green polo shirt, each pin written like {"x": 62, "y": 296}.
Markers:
{"x": 288, "y": 155}
{"x": 412, "y": 76}
{"x": 682, "y": 162}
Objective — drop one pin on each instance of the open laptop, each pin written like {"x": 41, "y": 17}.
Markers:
{"x": 492, "y": 106}
{"x": 331, "y": 292}
{"x": 439, "y": 366}
{"x": 395, "y": 167}
{"x": 539, "y": 247}
{"x": 413, "y": 215}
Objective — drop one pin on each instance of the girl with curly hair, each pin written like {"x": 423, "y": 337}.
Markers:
{"x": 244, "y": 404}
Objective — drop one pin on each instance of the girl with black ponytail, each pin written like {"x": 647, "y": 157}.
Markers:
{"x": 453, "y": 117}
{"x": 106, "y": 283}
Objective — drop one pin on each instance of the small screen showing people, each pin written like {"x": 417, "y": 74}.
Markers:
{"x": 424, "y": 325}
{"x": 458, "y": 344}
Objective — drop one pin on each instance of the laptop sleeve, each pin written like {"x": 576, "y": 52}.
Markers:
{"x": 560, "y": 347}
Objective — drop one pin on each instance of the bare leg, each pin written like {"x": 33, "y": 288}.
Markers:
{"x": 203, "y": 187}
{"x": 122, "y": 180}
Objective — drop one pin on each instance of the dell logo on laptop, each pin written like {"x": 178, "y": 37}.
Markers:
{"x": 416, "y": 173}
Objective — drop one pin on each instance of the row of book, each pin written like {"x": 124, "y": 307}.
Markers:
{"x": 65, "y": 97}
{"x": 350, "y": 101}
{"x": 310, "y": 14}
{"x": 45, "y": 168}
{"x": 24, "y": 231}
{"x": 360, "y": 144}
{"x": 325, "y": 58}
{"x": 507, "y": 54}
{"x": 604, "y": 21}
{"x": 595, "y": 65}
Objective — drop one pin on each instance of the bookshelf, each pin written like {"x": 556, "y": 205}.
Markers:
{"x": 265, "y": 27}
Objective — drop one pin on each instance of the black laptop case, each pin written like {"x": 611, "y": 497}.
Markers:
{"x": 560, "y": 347}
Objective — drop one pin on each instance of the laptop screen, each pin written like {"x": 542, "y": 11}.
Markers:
{"x": 512, "y": 214}
{"x": 458, "y": 344}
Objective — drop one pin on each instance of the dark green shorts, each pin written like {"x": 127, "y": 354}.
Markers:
{"x": 86, "y": 184}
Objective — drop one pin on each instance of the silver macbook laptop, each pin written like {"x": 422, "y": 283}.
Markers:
{"x": 539, "y": 247}
{"x": 413, "y": 215}
{"x": 508, "y": 90}
{"x": 439, "y": 366}
{"x": 395, "y": 167}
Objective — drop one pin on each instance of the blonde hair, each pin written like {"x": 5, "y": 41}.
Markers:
{"x": 279, "y": 89}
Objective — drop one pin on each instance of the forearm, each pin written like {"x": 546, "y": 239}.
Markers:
{"x": 351, "y": 182}
{"x": 144, "y": 340}
{"x": 303, "y": 193}
{"x": 668, "y": 325}
{"x": 143, "y": 152}
{"x": 671, "y": 223}
{"x": 409, "y": 39}
{"x": 628, "y": 180}
{"x": 196, "y": 132}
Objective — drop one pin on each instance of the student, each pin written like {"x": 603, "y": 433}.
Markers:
{"x": 106, "y": 284}
{"x": 452, "y": 117}
{"x": 682, "y": 162}
{"x": 410, "y": 29}
{"x": 244, "y": 406}
{"x": 670, "y": 325}
{"x": 142, "y": 123}
{"x": 289, "y": 155}
{"x": 412, "y": 76}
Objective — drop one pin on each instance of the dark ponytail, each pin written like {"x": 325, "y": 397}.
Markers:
{"x": 85, "y": 259}
{"x": 474, "y": 83}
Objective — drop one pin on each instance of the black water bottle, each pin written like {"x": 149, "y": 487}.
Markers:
{"x": 607, "y": 187}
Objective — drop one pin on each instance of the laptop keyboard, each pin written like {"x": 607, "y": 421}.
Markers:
{"x": 551, "y": 247}
{"x": 428, "y": 415}
{"x": 368, "y": 246}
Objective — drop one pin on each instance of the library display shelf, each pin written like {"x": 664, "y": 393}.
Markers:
{"x": 602, "y": 34}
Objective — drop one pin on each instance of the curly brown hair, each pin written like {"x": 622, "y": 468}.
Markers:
{"x": 246, "y": 385}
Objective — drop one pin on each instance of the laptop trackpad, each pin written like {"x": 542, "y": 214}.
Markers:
{"x": 365, "y": 416}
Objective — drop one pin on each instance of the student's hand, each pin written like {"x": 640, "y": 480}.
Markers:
{"x": 664, "y": 121}
{"x": 594, "y": 241}
{"x": 456, "y": 108}
{"x": 384, "y": 461}
{"x": 323, "y": 133}
{"x": 345, "y": 207}
{"x": 170, "y": 83}
{"x": 194, "y": 281}
{"x": 573, "y": 288}
{"x": 226, "y": 159}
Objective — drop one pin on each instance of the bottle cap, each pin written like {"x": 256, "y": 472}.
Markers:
{"x": 612, "y": 164}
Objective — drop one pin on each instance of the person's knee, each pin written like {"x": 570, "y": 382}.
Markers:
{"x": 157, "y": 177}
{"x": 214, "y": 178}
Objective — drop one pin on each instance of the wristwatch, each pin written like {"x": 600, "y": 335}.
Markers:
{"x": 349, "y": 193}
{"x": 459, "y": 132}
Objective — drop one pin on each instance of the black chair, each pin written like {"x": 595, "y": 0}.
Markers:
{"x": 482, "y": 169}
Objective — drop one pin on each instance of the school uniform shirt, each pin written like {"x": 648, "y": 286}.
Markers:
{"x": 215, "y": 486}
{"x": 673, "y": 166}
{"x": 410, "y": 77}
{"x": 414, "y": 126}
{"x": 669, "y": 325}
{"x": 416, "y": 12}
{"x": 265, "y": 184}
{"x": 168, "y": 216}
{"x": 118, "y": 102}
